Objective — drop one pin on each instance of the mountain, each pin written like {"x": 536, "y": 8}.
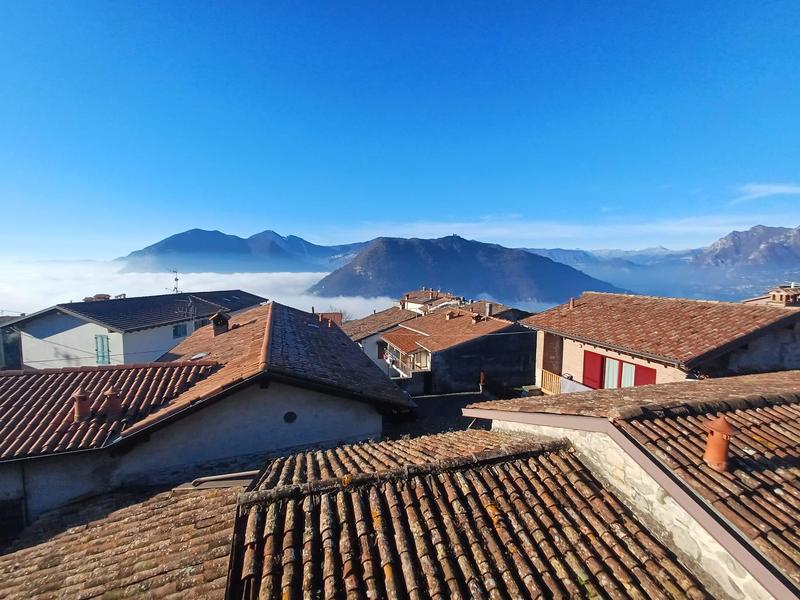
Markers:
{"x": 758, "y": 246}
{"x": 199, "y": 250}
{"x": 391, "y": 266}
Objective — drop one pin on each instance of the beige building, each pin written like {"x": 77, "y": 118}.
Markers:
{"x": 616, "y": 340}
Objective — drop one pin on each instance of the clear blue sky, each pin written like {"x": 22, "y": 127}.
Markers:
{"x": 577, "y": 124}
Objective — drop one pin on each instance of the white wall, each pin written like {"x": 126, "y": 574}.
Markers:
{"x": 370, "y": 347}
{"x": 249, "y": 424}
{"x": 147, "y": 345}
{"x": 59, "y": 340}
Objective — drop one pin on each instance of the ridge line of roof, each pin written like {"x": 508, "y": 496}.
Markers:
{"x": 90, "y": 368}
{"x": 263, "y": 357}
{"x": 701, "y": 407}
{"x": 359, "y": 480}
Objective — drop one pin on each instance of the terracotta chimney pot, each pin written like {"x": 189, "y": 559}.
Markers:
{"x": 82, "y": 405}
{"x": 719, "y": 436}
{"x": 112, "y": 401}
{"x": 220, "y": 323}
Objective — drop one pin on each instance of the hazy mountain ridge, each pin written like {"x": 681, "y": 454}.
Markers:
{"x": 391, "y": 266}
{"x": 202, "y": 250}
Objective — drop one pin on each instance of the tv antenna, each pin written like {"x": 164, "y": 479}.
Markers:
{"x": 175, "y": 289}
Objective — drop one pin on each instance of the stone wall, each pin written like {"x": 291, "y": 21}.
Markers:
{"x": 658, "y": 511}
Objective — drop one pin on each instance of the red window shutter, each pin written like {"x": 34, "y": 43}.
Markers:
{"x": 592, "y": 369}
{"x": 644, "y": 376}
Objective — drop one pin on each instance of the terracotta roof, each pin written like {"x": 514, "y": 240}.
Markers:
{"x": 171, "y": 545}
{"x": 685, "y": 332}
{"x": 427, "y": 296}
{"x": 374, "y": 457}
{"x": 530, "y": 521}
{"x": 435, "y": 332}
{"x": 359, "y": 329}
{"x": 633, "y": 401}
{"x": 142, "y": 312}
{"x": 760, "y": 493}
{"x": 283, "y": 341}
{"x": 36, "y": 408}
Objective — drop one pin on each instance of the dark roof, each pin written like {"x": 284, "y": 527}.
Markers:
{"x": 132, "y": 314}
{"x": 36, "y": 408}
{"x": 358, "y": 329}
{"x": 685, "y": 332}
{"x": 132, "y": 544}
{"x": 759, "y": 495}
{"x": 521, "y": 519}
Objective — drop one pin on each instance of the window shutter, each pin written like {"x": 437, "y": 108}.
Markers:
{"x": 592, "y": 370}
{"x": 644, "y": 375}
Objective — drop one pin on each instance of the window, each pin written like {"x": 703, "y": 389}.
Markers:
{"x": 604, "y": 372}
{"x": 611, "y": 373}
{"x": 101, "y": 352}
{"x": 381, "y": 349}
{"x": 179, "y": 330}
{"x": 200, "y": 323}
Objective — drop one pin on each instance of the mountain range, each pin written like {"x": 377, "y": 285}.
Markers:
{"x": 738, "y": 265}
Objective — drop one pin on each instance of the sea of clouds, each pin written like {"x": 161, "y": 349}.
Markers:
{"x": 31, "y": 286}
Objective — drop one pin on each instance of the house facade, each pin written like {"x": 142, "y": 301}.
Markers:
{"x": 105, "y": 331}
{"x": 231, "y": 394}
{"x": 450, "y": 351}
{"x": 366, "y": 332}
{"x": 601, "y": 341}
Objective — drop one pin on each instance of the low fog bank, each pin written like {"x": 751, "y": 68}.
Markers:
{"x": 28, "y": 287}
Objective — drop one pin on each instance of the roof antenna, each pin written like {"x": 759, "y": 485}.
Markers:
{"x": 175, "y": 289}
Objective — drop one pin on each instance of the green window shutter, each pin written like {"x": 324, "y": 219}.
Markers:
{"x": 101, "y": 351}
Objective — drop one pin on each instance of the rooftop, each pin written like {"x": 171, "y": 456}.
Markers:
{"x": 359, "y": 329}
{"x": 759, "y": 494}
{"x": 435, "y": 332}
{"x": 132, "y": 314}
{"x": 171, "y": 544}
{"x": 511, "y": 518}
{"x": 36, "y": 408}
{"x": 684, "y": 332}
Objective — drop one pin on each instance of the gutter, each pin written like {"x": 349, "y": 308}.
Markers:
{"x": 725, "y": 533}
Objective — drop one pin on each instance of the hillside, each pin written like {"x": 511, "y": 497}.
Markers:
{"x": 391, "y": 266}
{"x": 199, "y": 250}
{"x": 757, "y": 246}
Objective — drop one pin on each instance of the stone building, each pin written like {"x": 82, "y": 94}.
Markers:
{"x": 736, "y": 518}
{"x": 616, "y": 340}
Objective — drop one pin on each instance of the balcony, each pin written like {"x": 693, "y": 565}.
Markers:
{"x": 552, "y": 384}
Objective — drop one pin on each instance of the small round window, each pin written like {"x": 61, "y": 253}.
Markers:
{"x": 290, "y": 417}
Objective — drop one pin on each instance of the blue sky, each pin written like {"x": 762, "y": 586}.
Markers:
{"x": 574, "y": 124}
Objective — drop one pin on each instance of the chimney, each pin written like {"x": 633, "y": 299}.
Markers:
{"x": 112, "y": 402}
{"x": 81, "y": 405}
{"x": 719, "y": 436}
{"x": 475, "y": 318}
{"x": 430, "y": 295}
{"x": 312, "y": 310}
{"x": 571, "y": 303}
{"x": 449, "y": 315}
{"x": 489, "y": 309}
{"x": 220, "y": 323}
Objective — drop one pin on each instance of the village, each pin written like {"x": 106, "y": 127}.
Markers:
{"x": 221, "y": 444}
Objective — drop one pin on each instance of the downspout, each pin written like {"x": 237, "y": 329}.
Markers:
{"x": 25, "y": 510}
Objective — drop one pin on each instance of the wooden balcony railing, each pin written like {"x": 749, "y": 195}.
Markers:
{"x": 551, "y": 383}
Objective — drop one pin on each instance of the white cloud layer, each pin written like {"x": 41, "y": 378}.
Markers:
{"x": 753, "y": 191}
{"x": 31, "y": 286}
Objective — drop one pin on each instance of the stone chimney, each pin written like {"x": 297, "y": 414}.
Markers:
{"x": 112, "y": 402}
{"x": 220, "y": 323}
{"x": 489, "y": 309}
{"x": 449, "y": 315}
{"x": 81, "y": 405}
{"x": 719, "y": 436}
